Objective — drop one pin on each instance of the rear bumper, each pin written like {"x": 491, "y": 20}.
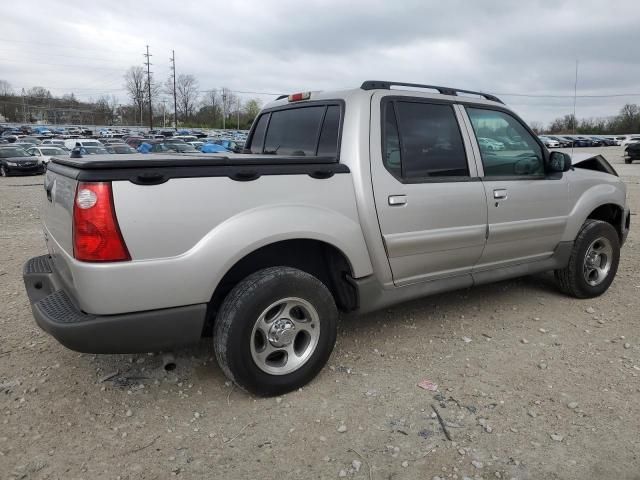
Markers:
{"x": 57, "y": 314}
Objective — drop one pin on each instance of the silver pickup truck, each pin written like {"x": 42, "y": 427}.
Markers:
{"x": 343, "y": 201}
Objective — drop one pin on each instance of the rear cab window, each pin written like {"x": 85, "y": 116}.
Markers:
{"x": 301, "y": 130}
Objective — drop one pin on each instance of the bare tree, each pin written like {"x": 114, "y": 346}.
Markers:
{"x": 106, "y": 107}
{"x": 212, "y": 102}
{"x": 187, "y": 93}
{"x": 5, "y": 89}
{"x": 136, "y": 86}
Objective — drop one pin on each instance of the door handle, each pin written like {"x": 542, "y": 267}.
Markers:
{"x": 500, "y": 194}
{"x": 397, "y": 200}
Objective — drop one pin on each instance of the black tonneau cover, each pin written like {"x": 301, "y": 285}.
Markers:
{"x": 153, "y": 169}
{"x": 149, "y": 160}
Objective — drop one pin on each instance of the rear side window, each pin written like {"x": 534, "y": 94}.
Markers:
{"x": 301, "y": 131}
{"x": 258, "y": 134}
{"x": 328, "y": 143}
{"x": 425, "y": 140}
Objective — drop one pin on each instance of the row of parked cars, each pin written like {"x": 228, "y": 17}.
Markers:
{"x": 29, "y": 154}
{"x": 565, "y": 141}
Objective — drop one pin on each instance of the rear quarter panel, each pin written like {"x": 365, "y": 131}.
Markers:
{"x": 184, "y": 235}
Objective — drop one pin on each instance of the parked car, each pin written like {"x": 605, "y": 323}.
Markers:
{"x": 16, "y": 161}
{"x": 322, "y": 215}
{"x": 119, "y": 148}
{"x": 55, "y": 142}
{"x": 197, "y": 145}
{"x": 490, "y": 144}
{"x": 630, "y": 139}
{"x": 180, "y": 147}
{"x": 46, "y": 152}
{"x": 31, "y": 140}
{"x": 579, "y": 141}
{"x": 134, "y": 142}
{"x": 562, "y": 142}
{"x": 549, "y": 142}
{"x": 82, "y": 142}
{"x": 632, "y": 152}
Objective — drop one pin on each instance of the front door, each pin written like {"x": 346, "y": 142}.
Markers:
{"x": 431, "y": 205}
{"x": 527, "y": 208}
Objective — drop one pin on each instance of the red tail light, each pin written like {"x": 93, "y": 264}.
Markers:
{"x": 96, "y": 235}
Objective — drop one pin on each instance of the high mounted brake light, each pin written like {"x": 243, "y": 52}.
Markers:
{"x": 297, "y": 97}
{"x": 96, "y": 235}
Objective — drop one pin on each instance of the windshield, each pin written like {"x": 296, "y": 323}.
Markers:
{"x": 13, "y": 152}
{"x": 52, "y": 151}
{"x": 93, "y": 150}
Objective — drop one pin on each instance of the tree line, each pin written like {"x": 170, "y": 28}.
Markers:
{"x": 214, "y": 108}
{"x": 625, "y": 122}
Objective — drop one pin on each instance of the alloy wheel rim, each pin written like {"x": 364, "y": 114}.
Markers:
{"x": 597, "y": 261}
{"x": 285, "y": 336}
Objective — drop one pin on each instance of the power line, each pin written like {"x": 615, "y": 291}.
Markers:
{"x": 611, "y": 95}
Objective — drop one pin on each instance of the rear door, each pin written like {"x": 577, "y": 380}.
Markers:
{"x": 527, "y": 208}
{"x": 431, "y": 205}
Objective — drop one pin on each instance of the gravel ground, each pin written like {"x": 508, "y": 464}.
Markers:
{"x": 531, "y": 385}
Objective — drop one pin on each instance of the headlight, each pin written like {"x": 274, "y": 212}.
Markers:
{"x": 12, "y": 164}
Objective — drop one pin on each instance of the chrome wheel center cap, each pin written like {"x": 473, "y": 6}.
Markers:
{"x": 282, "y": 332}
{"x": 594, "y": 259}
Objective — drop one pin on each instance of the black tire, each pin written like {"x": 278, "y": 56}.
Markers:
{"x": 627, "y": 160}
{"x": 571, "y": 279}
{"x": 3, "y": 171}
{"x": 240, "y": 310}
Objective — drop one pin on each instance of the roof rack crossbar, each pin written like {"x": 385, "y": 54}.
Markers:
{"x": 381, "y": 84}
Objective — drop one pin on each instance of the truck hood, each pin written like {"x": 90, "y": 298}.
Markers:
{"x": 592, "y": 162}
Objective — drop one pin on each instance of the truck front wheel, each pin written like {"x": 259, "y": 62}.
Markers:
{"x": 593, "y": 263}
{"x": 275, "y": 330}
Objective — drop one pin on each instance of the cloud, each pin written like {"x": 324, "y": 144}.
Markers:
{"x": 283, "y": 46}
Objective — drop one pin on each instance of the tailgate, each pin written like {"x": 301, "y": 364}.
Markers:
{"x": 57, "y": 212}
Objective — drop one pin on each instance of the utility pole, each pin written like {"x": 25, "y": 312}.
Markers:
{"x": 164, "y": 112}
{"x": 24, "y": 108}
{"x": 148, "y": 64}
{"x": 238, "y": 127}
{"x": 175, "y": 97}
{"x": 224, "y": 101}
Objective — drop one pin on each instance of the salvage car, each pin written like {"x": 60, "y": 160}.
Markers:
{"x": 16, "y": 161}
{"x": 346, "y": 201}
{"x": 632, "y": 152}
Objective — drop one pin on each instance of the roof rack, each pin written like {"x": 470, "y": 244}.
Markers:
{"x": 383, "y": 85}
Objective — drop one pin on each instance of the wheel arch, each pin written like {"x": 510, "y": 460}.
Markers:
{"x": 323, "y": 260}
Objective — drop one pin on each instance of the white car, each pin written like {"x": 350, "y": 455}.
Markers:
{"x": 45, "y": 152}
{"x": 82, "y": 142}
{"x": 54, "y": 142}
{"x": 549, "y": 142}
{"x": 490, "y": 144}
{"x": 627, "y": 139}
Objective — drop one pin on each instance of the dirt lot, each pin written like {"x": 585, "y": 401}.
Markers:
{"x": 531, "y": 385}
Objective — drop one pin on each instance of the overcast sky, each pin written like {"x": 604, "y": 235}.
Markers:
{"x": 500, "y": 46}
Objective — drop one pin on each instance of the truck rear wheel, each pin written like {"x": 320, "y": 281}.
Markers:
{"x": 275, "y": 330}
{"x": 593, "y": 263}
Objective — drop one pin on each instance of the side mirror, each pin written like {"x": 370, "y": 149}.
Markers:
{"x": 559, "y": 162}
